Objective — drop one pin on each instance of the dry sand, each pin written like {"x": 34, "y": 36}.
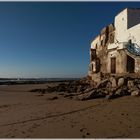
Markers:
{"x": 26, "y": 114}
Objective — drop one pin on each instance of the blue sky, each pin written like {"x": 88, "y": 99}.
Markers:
{"x": 51, "y": 39}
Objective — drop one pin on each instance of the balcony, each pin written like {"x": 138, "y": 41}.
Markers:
{"x": 133, "y": 48}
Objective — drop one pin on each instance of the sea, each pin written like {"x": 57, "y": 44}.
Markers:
{"x": 14, "y": 81}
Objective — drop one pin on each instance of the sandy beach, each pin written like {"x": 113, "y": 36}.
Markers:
{"x": 25, "y": 114}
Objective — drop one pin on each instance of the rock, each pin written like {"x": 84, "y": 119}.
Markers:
{"x": 109, "y": 96}
{"x": 51, "y": 89}
{"x": 118, "y": 92}
{"x": 86, "y": 96}
{"x": 138, "y": 86}
{"x": 108, "y": 85}
{"x": 79, "y": 89}
{"x": 89, "y": 89}
{"x": 69, "y": 95}
{"x": 102, "y": 84}
{"x": 130, "y": 84}
{"x": 120, "y": 82}
{"x": 35, "y": 90}
{"x": 113, "y": 82}
{"x": 43, "y": 91}
{"x": 135, "y": 93}
{"x": 53, "y": 98}
{"x": 95, "y": 93}
{"x": 137, "y": 81}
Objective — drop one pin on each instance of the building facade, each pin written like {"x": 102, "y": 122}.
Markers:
{"x": 116, "y": 50}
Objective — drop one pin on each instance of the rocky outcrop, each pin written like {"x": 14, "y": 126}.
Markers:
{"x": 84, "y": 89}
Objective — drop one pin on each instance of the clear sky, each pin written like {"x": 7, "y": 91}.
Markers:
{"x": 51, "y": 39}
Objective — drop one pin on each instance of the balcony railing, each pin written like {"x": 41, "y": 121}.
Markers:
{"x": 133, "y": 48}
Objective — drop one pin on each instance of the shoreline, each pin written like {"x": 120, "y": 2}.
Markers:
{"x": 37, "y": 81}
{"x": 27, "y": 114}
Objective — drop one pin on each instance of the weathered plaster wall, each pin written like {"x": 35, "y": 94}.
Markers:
{"x": 95, "y": 43}
{"x": 137, "y": 65}
{"x": 112, "y": 46}
{"x": 120, "y": 61}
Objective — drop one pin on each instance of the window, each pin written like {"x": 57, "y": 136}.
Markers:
{"x": 93, "y": 54}
{"x": 101, "y": 42}
{"x": 96, "y": 46}
{"x": 130, "y": 41}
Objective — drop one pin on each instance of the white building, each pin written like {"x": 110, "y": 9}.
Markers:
{"x": 117, "y": 48}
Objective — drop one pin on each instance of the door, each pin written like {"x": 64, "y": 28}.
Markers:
{"x": 97, "y": 65}
{"x": 130, "y": 64}
{"x": 113, "y": 65}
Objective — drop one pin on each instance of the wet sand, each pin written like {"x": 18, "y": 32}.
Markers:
{"x": 25, "y": 114}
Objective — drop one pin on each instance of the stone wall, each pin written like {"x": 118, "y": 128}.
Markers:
{"x": 137, "y": 65}
{"x": 120, "y": 61}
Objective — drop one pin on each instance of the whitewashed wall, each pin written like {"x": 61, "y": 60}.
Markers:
{"x": 133, "y": 33}
{"x": 121, "y": 26}
{"x": 128, "y": 18}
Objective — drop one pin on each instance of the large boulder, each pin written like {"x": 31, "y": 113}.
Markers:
{"x": 135, "y": 93}
{"x": 120, "y": 82}
{"x": 138, "y": 86}
{"x": 113, "y": 82}
{"x": 118, "y": 92}
{"x": 86, "y": 96}
{"x": 130, "y": 84}
{"x": 108, "y": 85}
{"x": 109, "y": 96}
{"x": 102, "y": 84}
